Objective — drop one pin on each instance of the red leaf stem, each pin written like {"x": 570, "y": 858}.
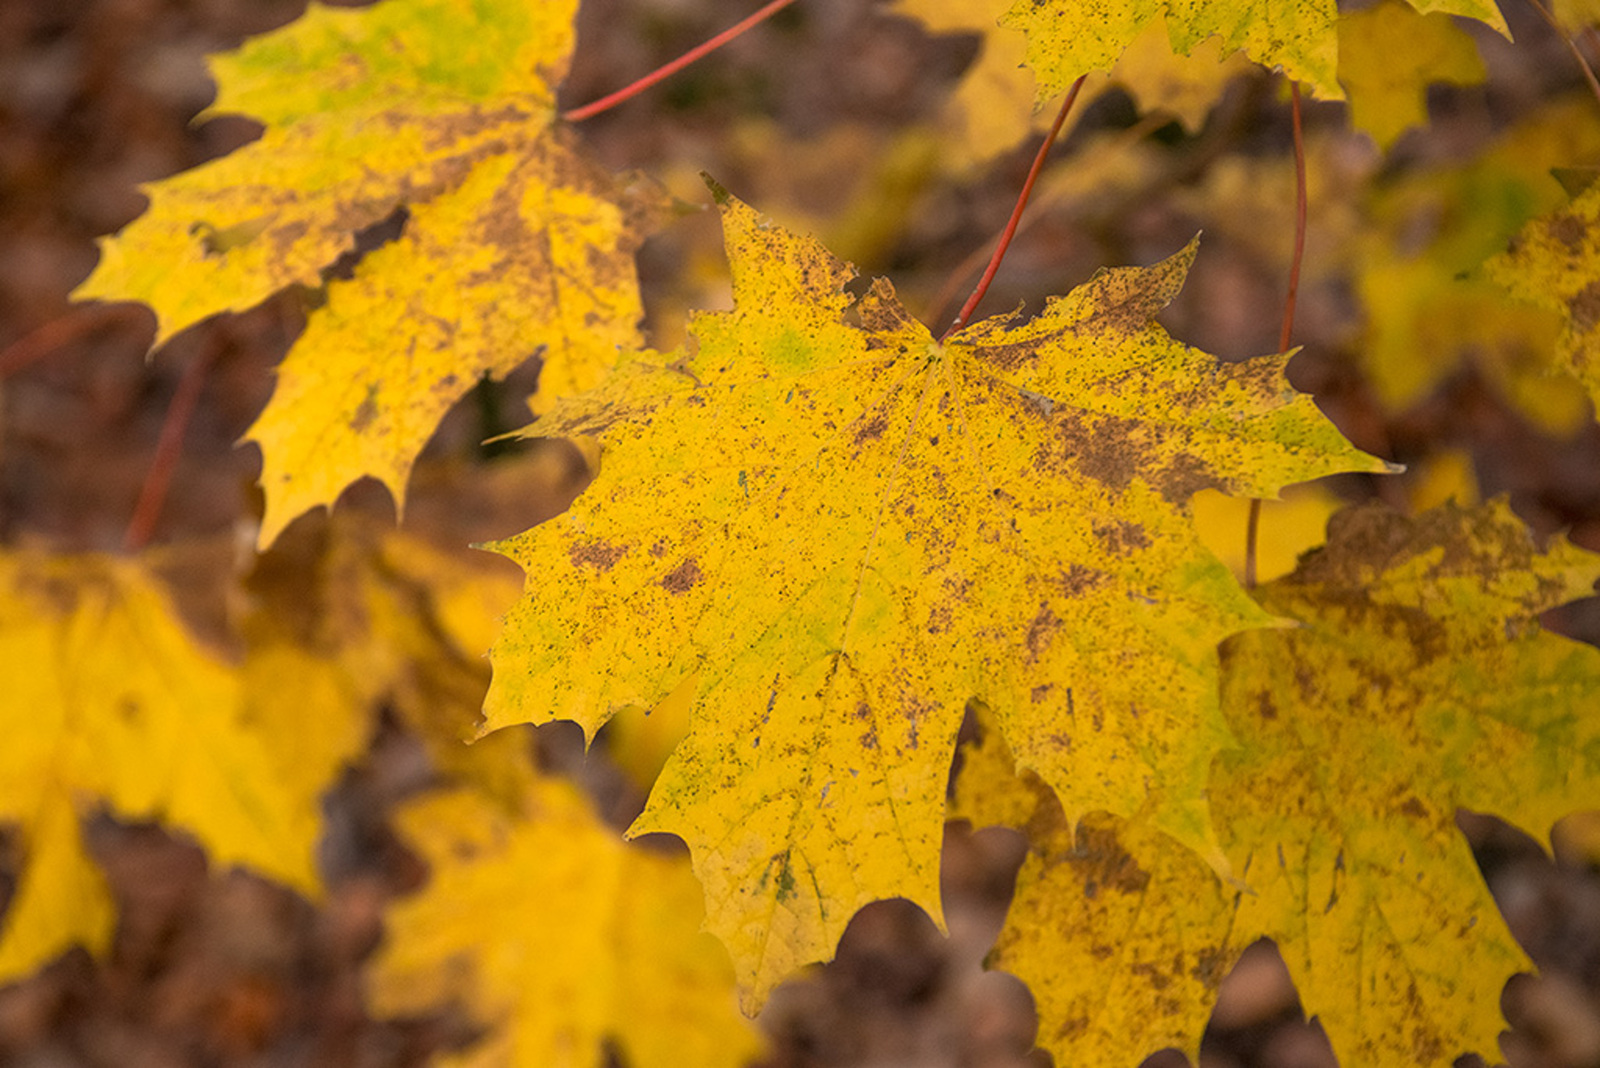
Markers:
{"x": 627, "y": 92}
{"x": 971, "y": 305}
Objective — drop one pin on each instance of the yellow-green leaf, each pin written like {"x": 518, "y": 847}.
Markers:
{"x": 867, "y": 528}
{"x": 1069, "y": 38}
{"x": 558, "y": 937}
{"x": 513, "y": 244}
{"x": 1419, "y": 683}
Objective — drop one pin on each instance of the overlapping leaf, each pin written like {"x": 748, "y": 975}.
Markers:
{"x": 1420, "y": 683}
{"x": 559, "y": 937}
{"x": 867, "y": 528}
{"x": 1069, "y": 38}
{"x": 513, "y": 242}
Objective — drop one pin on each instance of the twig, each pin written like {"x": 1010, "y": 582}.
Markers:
{"x": 1252, "y": 527}
{"x": 627, "y": 92}
{"x": 169, "y": 446}
{"x": 1010, "y": 231}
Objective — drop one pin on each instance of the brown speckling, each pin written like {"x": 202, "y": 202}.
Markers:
{"x": 600, "y": 555}
{"x": 1584, "y": 306}
{"x": 1122, "y": 537}
{"x": 1041, "y": 693}
{"x": 1104, "y": 448}
{"x": 1078, "y": 580}
{"x": 872, "y": 429}
{"x": 1569, "y": 230}
{"x": 682, "y": 578}
{"x": 1183, "y": 478}
{"x": 1041, "y": 630}
{"x": 366, "y": 412}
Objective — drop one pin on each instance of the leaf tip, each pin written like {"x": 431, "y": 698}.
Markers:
{"x": 719, "y": 193}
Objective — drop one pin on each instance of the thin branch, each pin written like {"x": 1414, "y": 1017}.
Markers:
{"x": 82, "y": 319}
{"x": 169, "y": 446}
{"x": 1572, "y": 46}
{"x": 627, "y": 92}
{"x": 1252, "y": 528}
{"x": 971, "y": 305}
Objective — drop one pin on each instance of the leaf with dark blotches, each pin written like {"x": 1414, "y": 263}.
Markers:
{"x": 1419, "y": 683}
{"x": 513, "y": 243}
{"x": 844, "y": 530}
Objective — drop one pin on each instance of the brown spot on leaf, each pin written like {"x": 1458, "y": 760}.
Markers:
{"x": 1122, "y": 537}
{"x": 1041, "y": 630}
{"x": 683, "y": 577}
{"x": 600, "y": 555}
{"x": 1569, "y": 230}
{"x": 872, "y": 429}
{"x": 1584, "y": 306}
{"x": 366, "y": 412}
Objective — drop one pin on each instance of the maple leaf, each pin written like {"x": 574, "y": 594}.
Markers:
{"x": 1387, "y": 85}
{"x": 868, "y": 528}
{"x": 1420, "y": 683}
{"x": 997, "y": 102}
{"x": 1554, "y": 263}
{"x": 1069, "y": 38}
{"x": 573, "y": 937}
{"x": 109, "y": 700}
{"x": 513, "y": 241}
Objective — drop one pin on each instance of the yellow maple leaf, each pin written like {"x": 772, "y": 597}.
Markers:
{"x": 108, "y": 700}
{"x": 1554, "y": 264}
{"x": 867, "y": 529}
{"x": 998, "y": 102}
{"x": 514, "y": 243}
{"x": 558, "y": 936}
{"x": 1419, "y": 683}
{"x": 1385, "y": 84}
{"x": 1069, "y": 38}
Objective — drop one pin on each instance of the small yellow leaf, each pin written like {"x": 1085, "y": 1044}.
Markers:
{"x": 1386, "y": 84}
{"x": 557, "y": 936}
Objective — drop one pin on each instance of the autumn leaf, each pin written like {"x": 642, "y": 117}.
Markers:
{"x": 108, "y": 700}
{"x": 1387, "y": 85}
{"x": 868, "y": 528}
{"x": 1431, "y": 302}
{"x": 1420, "y": 683}
{"x": 998, "y": 102}
{"x": 1554, "y": 264}
{"x": 1069, "y": 38}
{"x": 514, "y": 242}
{"x": 558, "y": 937}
